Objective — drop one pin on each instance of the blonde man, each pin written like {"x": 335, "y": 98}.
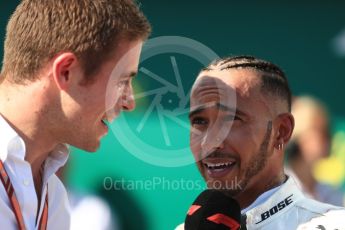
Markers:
{"x": 62, "y": 59}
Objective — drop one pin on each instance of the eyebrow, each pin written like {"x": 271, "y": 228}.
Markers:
{"x": 218, "y": 105}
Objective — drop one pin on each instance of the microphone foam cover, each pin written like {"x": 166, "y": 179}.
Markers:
{"x": 213, "y": 210}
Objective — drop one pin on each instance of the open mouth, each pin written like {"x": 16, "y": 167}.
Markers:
{"x": 107, "y": 119}
{"x": 105, "y": 124}
{"x": 219, "y": 168}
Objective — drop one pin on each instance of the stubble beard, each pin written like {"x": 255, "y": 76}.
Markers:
{"x": 255, "y": 166}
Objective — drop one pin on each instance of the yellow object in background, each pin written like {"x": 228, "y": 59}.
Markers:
{"x": 330, "y": 171}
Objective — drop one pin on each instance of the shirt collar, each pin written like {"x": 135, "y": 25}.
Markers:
{"x": 56, "y": 159}
{"x": 12, "y": 145}
{"x": 281, "y": 201}
{"x": 261, "y": 199}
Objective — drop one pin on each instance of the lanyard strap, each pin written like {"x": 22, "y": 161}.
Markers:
{"x": 5, "y": 179}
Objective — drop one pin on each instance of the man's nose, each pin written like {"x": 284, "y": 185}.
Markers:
{"x": 128, "y": 101}
{"x": 211, "y": 141}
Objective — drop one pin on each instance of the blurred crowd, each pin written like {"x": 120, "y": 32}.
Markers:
{"x": 310, "y": 148}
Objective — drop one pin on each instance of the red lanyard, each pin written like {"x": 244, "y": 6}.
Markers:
{"x": 15, "y": 204}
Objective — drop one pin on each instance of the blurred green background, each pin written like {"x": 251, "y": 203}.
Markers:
{"x": 305, "y": 38}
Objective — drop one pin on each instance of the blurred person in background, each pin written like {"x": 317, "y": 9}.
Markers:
{"x": 83, "y": 203}
{"x": 112, "y": 208}
{"x": 311, "y": 141}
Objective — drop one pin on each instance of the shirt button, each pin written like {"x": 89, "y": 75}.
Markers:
{"x": 26, "y": 182}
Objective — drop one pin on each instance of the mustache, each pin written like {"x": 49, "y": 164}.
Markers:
{"x": 219, "y": 154}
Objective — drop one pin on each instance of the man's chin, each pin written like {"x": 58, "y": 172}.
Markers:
{"x": 90, "y": 147}
{"x": 93, "y": 149}
{"x": 233, "y": 185}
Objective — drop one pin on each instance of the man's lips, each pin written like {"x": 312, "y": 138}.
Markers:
{"x": 218, "y": 167}
{"x": 110, "y": 116}
{"x": 105, "y": 125}
{"x": 107, "y": 120}
{"x": 215, "y": 166}
{"x": 104, "y": 122}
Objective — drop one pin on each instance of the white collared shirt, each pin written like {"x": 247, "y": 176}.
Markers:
{"x": 12, "y": 154}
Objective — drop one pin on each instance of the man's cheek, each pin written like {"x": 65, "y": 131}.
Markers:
{"x": 112, "y": 98}
{"x": 195, "y": 154}
{"x": 194, "y": 143}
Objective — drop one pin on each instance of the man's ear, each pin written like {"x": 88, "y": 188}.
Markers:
{"x": 285, "y": 124}
{"x": 64, "y": 66}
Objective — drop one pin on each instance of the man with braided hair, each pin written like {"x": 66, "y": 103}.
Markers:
{"x": 67, "y": 71}
{"x": 240, "y": 124}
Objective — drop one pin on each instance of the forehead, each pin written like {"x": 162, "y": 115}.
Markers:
{"x": 123, "y": 61}
{"x": 241, "y": 80}
{"x": 126, "y": 54}
{"x": 238, "y": 88}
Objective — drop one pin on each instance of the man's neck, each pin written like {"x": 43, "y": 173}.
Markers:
{"x": 304, "y": 172}
{"x": 21, "y": 107}
{"x": 35, "y": 153}
{"x": 247, "y": 197}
